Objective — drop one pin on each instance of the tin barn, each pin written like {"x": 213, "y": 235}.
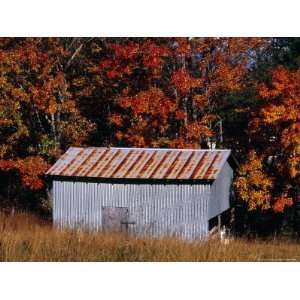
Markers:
{"x": 158, "y": 192}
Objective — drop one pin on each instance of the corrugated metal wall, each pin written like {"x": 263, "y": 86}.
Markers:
{"x": 157, "y": 209}
{"x": 220, "y": 192}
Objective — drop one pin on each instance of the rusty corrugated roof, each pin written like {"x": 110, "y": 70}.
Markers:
{"x": 140, "y": 163}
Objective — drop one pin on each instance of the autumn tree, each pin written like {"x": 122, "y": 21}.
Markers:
{"x": 161, "y": 92}
{"x": 38, "y": 115}
{"x": 269, "y": 179}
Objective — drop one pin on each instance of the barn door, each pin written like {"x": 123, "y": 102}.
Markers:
{"x": 115, "y": 219}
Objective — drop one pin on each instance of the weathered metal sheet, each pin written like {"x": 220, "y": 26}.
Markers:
{"x": 221, "y": 192}
{"x": 65, "y": 160}
{"x": 140, "y": 163}
{"x": 95, "y": 162}
{"x": 77, "y": 162}
{"x": 153, "y": 209}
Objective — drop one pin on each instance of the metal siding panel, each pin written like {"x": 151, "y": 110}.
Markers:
{"x": 54, "y": 202}
{"x": 57, "y": 202}
{"x": 220, "y": 192}
{"x": 178, "y": 210}
{"x": 66, "y": 202}
{"x": 62, "y": 203}
{"x": 69, "y": 212}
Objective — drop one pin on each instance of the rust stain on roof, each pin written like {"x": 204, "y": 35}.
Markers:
{"x": 101, "y": 172}
{"x": 69, "y": 164}
{"x": 62, "y": 163}
{"x": 161, "y": 164}
{"x": 95, "y": 161}
{"x": 209, "y": 172}
{"x": 199, "y": 165}
{"x": 140, "y": 163}
{"x": 171, "y": 168}
{"x": 186, "y": 163}
{"x": 146, "y": 166}
{"x": 121, "y": 164}
{"x": 84, "y": 164}
{"x": 77, "y": 162}
{"x": 189, "y": 169}
{"x": 134, "y": 165}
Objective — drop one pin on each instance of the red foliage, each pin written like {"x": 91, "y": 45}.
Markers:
{"x": 7, "y": 165}
{"x": 180, "y": 115}
{"x": 30, "y": 169}
{"x": 184, "y": 82}
{"x": 281, "y": 203}
{"x": 153, "y": 54}
{"x": 125, "y": 51}
{"x": 192, "y": 76}
{"x": 113, "y": 74}
{"x": 184, "y": 47}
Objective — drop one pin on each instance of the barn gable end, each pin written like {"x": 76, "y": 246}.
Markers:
{"x": 221, "y": 192}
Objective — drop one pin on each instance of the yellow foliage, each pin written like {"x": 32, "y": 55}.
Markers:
{"x": 252, "y": 183}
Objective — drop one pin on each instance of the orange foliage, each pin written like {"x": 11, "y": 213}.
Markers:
{"x": 167, "y": 88}
{"x": 276, "y": 127}
{"x": 31, "y": 168}
{"x": 153, "y": 54}
{"x": 38, "y": 116}
{"x": 281, "y": 112}
{"x": 184, "y": 82}
{"x": 196, "y": 129}
{"x": 148, "y": 112}
{"x": 282, "y": 202}
{"x": 184, "y": 47}
{"x": 252, "y": 183}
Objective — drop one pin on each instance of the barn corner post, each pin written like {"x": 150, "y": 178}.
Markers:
{"x": 163, "y": 191}
{"x": 219, "y": 223}
{"x": 49, "y": 194}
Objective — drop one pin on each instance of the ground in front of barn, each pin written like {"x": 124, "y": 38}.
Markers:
{"x": 24, "y": 237}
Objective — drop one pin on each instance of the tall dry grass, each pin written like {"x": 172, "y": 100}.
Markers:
{"x": 26, "y": 238}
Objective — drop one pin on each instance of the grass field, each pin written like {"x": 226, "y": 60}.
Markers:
{"x": 24, "y": 237}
